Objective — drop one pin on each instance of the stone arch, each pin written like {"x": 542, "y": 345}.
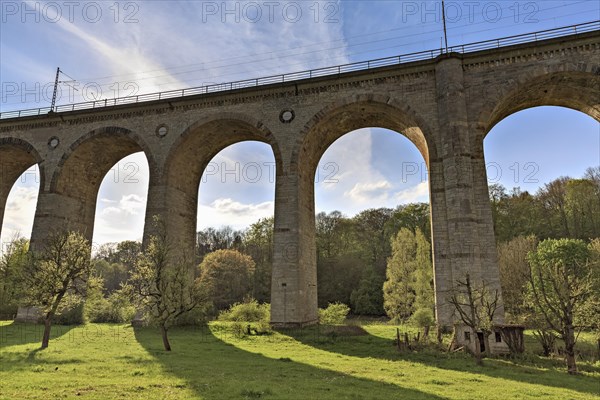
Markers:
{"x": 294, "y": 280}
{"x": 83, "y": 166}
{"x": 16, "y": 156}
{"x": 91, "y": 149}
{"x": 572, "y": 88}
{"x": 176, "y": 197}
{"x": 357, "y": 112}
{"x": 204, "y": 139}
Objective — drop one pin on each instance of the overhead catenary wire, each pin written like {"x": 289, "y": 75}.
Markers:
{"x": 329, "y": 59}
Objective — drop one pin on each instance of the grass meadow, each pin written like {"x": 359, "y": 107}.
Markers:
{"x": 111, "y": 361}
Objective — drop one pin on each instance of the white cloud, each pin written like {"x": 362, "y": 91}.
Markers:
{"x": 108, "y": 201}
{"x": 133, "y": 204}
{"x": 226, "y": 211}
{"x": 122, "y": 220}
{"x": 19, "y": 212}
{"x": 228, "y": 206}
{"x": 418, "y": 193}
{"x": 365, "y": 192}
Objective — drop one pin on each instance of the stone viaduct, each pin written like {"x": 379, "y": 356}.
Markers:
{"x": 444, "y": 105}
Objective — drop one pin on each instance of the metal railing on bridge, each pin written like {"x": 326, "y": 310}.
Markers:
{"x": 313, "y": 73}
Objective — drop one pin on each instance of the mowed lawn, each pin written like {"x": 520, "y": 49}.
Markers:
{"x": 105, "y": 361}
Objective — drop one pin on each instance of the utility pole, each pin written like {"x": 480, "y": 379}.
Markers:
{"x": 55, "y": 88}
{"x": 444, "y": 21}
{"x": 56, "y": 82}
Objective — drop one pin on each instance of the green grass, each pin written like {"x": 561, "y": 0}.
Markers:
{"x": 106, "y": 361}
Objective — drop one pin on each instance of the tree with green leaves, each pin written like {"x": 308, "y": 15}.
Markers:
{"x": 60, "y": 269}
{"x": 162, "y": 284}
{"x": 562, "y": 279}
{"x": 258, "y": 244}
{"x": 398, "y": 293}
{"x": 409, "y": 283}
{"x": 367, "y": 298}
{"x": 514, "y": 272}
{"x": 12, "y": 262}
{"x": 227, "y": 276}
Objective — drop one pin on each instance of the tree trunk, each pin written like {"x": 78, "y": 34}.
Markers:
{"x": 165, "y": 339}
{"x": 49, "y": 315}
{"x": 426, "y": 332}
{"x": 570, "y": 350}
{"x": 47, "y": 326}
{"x": 478, "y": 357}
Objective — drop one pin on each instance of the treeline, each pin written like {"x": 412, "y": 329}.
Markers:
{"x": 563, "y": 208}
{"x": 356, "y": 255}
{"x": 352, "y": 253}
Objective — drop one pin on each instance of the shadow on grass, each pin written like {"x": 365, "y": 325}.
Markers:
{"x": 216, "y": 369}
{"x": 534, "y": 370}
{"x": 19, "y": 333}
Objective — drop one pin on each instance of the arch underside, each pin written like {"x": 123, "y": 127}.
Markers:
{"x": 576, "y": 90}
{"x": 337, "y": 122}
{"x": 186, "y": 163}
{"x": 82, "y": 169}
{"x": 16, "y": 157}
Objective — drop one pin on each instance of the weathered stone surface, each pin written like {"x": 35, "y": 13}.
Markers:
{"x": 444, "y": 106}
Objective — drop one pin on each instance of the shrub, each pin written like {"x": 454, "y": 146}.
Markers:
{"x": 116, "y": 308}
{"x": 423, "y": 318}
{"x": 198, "y": 316}
{"x": 334, "y": 314}
{"x": 71, "y": 311}
{"x": 8, "y": 311}
{"x": 249, "y": 311}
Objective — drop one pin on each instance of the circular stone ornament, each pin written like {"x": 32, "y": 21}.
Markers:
{"x": 287, "y": 116}
{"x": 53, "y": 142}
{"x": 162, "y": 130}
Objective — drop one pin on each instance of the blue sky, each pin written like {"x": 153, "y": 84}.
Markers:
{"x": 149, "y": 46}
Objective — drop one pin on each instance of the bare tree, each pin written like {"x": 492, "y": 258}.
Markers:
{"x": 61, "y": 268}
{"x": 476, "y": 307}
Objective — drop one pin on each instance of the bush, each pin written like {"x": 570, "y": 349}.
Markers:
{"x": 8, "y": 311}
{"x": 71, "y": 311}
{"x": 198, "y": 316}
{"x": 423, "y": 318}
{"x": 334, "y": 314}
{"x": 249, "y": 311}
{"x": 116, "y": 308}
